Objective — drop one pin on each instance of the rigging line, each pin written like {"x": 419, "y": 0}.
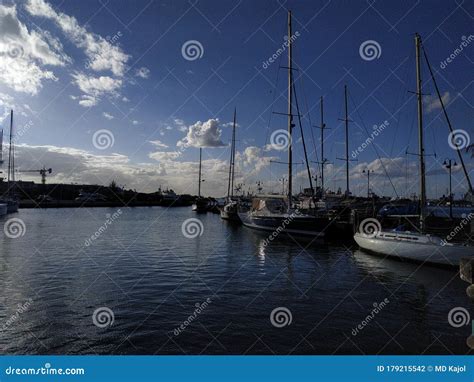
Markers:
{"x": 305, "y": 99}
{"x": 311, "y": 128}
{"x": 374, "y": 147}
{"x": 302, "y": 140}
{"x": 447, "y": 118}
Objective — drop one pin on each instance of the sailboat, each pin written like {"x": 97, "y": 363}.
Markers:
{"x": 277, "y": 214}
{"x": 201, "y": 204}
{"x": 10, "y": 198}
{"x": 417, "y": 246}
{"x": 231, "y": 207}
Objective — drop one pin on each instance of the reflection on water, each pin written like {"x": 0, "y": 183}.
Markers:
{"x": 151, "y": 277}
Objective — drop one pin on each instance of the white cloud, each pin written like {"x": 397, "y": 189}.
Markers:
{"x": 101, "y": 54}
{"x": 158, "y": 143}
{"x": 164, "y": 156}
{"x": 108, "y": 116}
{"x": 432, "y": 103}
{"x": 125, "y": 99}
{"x": 24, "y": 53}
{"x": 95, "y": 87}
{"x": 135, "y": 122}
{"x": 203, "y": 134}
{"x": 142, "y": 72}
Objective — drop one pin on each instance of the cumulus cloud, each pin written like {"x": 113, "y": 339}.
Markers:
{"x": 95, "y": 87}
{"x": 24, "y": 54}
{"x": 101, "y": 54}
{"x": 142, "y": 72}
{"x": 203, "y": 134}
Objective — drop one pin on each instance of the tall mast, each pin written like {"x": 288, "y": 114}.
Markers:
{"x": 290, "y": 111}
{"x": 233, "y": 156}
{"x": 421, "y": 151}
{"x": 346, "y": 119}
{"x": 1, "y": 147}
{"x": 322, "y": 147}
{"x": 11, "y": 175}
{"x": 200, "y": 158}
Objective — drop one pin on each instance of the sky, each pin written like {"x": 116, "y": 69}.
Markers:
{"x": 129, "y": 91}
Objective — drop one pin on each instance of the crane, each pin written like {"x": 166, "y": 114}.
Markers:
{"x": 43, "y": 172}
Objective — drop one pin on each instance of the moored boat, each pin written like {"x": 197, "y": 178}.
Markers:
{"x": 420, "y": 247}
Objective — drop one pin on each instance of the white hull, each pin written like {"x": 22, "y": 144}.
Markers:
{"x": 414, "y": 247}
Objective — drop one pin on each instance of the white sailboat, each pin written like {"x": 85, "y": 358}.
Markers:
{"x": 414, "y": 246}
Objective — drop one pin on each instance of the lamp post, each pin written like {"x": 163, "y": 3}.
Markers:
{"x": 368, "y": 180}
{"x": 448, "y": 163}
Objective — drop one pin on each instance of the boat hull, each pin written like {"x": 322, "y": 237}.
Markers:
{"x": 430, "y": 252}
{"x": 3, "y": 209}
{"x": 299, "y": 225}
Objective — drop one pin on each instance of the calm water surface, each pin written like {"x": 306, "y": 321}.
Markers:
{"x": 151, "y": 277}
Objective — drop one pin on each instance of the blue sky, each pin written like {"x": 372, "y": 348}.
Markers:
{"x": 89, "y": 66}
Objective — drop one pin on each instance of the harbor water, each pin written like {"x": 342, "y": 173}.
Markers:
{"x": 150, "y": 281}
